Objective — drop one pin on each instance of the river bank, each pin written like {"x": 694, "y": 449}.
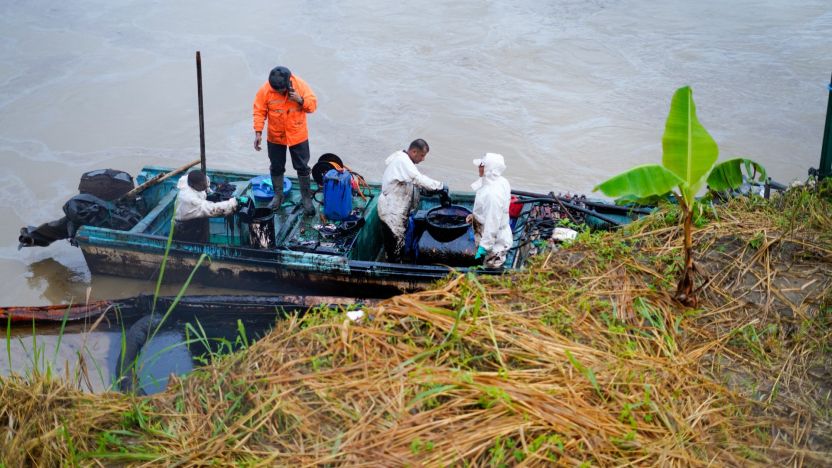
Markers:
{"x": 583, "y": 360}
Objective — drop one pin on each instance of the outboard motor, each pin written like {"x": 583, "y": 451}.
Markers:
{"x": 337, "y": 194}
{"x": 91, "y": 208}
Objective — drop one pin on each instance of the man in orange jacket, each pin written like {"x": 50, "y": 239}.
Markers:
{"x": 285, "y": 100}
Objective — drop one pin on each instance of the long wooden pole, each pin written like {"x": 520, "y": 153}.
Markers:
{"x": 201, "y": 118}
{"x": 161, "y": 177}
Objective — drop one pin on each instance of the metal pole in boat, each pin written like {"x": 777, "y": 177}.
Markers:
{"x": 201, "y": 118}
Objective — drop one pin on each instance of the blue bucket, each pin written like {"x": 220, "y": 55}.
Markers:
{"x": 263, "y": 191}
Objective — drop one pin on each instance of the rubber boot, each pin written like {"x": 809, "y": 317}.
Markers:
{"x": 306, "y": 195}
{"x": 277, "y": 183}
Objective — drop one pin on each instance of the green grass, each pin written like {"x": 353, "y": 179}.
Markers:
{"x": 597, "y": 368}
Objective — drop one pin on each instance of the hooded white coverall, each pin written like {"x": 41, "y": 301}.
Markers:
{"x": 192, "y": 204}
{"x": 397, "y": 195}
{"x": 491, "y": 220}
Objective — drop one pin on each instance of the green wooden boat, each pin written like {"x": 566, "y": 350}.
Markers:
{"x": 305, "y": 258}
{"x": 304, "y": 261}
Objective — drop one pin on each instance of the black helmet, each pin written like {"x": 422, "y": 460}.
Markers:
{"x": 279, "y": 78}
{"x": 197, "y": 180}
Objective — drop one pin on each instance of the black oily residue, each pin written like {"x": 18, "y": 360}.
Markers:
{"x": 234, "y": 225}
{"x": 261, "y": 229}
{"x": 447, "y": 221}
{"x": 165, "y": 355}
{"x": 458, "y": 252}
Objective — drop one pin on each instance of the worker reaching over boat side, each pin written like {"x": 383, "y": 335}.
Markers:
{"x": 399, "y": 195}
{"x": 490, "y": 218}
{"x": 285, "y": 100}
{"x": 192, "y": 207}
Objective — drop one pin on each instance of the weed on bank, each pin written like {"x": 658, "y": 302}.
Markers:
{"x": 582, "y": 360}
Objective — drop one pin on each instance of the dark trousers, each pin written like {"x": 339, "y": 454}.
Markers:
{"x": 392, "y": 245}
{"x": 300, "y": 158}
{"x": 193, "y": 230}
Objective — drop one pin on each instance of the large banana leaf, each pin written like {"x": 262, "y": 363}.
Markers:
{"x": 689, "y": 151}
{"x": 646, "y": 201}
{"x": 728, "y": 174}
{"x": 641, "y": 181}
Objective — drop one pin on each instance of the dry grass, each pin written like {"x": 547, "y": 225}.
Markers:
{"x": 584, "y": 360}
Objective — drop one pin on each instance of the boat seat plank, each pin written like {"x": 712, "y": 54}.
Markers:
{"x": 158, "y": 214}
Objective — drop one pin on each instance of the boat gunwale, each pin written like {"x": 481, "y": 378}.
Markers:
{"x": 86, "y": 236}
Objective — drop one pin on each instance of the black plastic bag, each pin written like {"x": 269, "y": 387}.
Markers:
{"x": 106, "y": 184}
{"x": 87, "y": 210}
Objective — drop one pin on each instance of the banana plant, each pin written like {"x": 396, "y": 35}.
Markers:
{"x": 687, "y": 163}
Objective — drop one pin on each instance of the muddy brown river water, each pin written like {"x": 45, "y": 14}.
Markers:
{"x": 569, "y": 92}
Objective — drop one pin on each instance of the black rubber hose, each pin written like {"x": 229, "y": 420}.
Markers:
{"x": 585, "y": 202}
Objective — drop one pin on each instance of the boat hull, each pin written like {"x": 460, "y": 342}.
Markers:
{"x": 266, "y": 271}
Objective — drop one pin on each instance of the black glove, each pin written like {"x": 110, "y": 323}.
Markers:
{"x": 445, "y": 196}
{"x": 433, "y": 193}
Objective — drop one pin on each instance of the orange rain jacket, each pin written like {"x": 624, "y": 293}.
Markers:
{"x": 287, "y": 119}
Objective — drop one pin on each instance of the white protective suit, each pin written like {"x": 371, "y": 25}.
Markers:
{"x": 491, "y": 226}
{"x": 396, "y": 198}
{"x": 192, "y": 204}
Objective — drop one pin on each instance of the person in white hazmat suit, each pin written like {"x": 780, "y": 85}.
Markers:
{"x": 490, "y": 218}
{"x": 192, "y": 207}
{"x": 399, "y": 195}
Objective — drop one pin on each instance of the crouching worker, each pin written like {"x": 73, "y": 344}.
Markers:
{"x": 399, "y": 195}
{"x": 490, "y": 218}
{"x": 193, "y": 210}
